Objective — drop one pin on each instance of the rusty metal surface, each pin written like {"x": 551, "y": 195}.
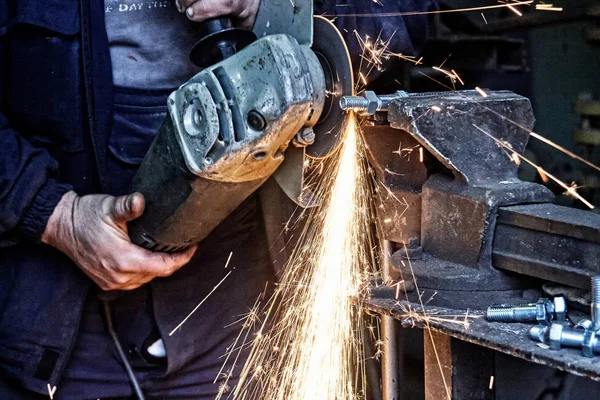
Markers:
{"x": 394, "y": 156}
{"x": 454, "y": 133}
{"x": 438, "y": 366}
{"x": 512, "y": 339}
{"x": 458, "y": 221}
{"x": 466, "y": 368}
{"x": 570, "y": 240}
{"x": 455, "y": 217}
{"x": 238, "y": 87}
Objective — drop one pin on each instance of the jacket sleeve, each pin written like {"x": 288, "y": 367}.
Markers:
{"x": 402, "y": 21}
{"x": 28, "y": 191}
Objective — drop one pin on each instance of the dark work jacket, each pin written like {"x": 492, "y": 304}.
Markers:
{"x": 56, "y": 100}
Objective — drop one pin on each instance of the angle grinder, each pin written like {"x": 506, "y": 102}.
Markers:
{"x": 231, "y": 126}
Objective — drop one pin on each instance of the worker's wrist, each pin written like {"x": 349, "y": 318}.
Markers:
{"x": 59, "y": 223}
{"x": 34, "y": 220}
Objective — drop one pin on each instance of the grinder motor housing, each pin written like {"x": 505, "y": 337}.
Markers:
{"x": 225, "y": 133}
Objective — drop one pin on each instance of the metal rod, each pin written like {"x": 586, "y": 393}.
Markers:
{"x": 389, "y": 358}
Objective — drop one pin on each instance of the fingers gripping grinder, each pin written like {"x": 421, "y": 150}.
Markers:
{"x": 236, "y": 122}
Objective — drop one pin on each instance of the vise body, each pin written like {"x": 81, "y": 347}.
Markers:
{"x": 449, "y": 196}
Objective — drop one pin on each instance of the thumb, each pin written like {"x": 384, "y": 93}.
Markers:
{"x": 126, "y": 208}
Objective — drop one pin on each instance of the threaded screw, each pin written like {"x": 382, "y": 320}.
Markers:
{"x": 596, "y": 289}
{"x": 370, "y": 102}
{"x": 356, "y": 103}
{"x": 512, "y": 312}
{"x": 542, "y": 312}
{"x": 595, "y": 304}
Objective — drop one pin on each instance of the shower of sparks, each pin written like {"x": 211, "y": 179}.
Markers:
{"x": 374, "y": 55}
{"x": 308, "y": 345}
{"x": 376, "y": 52}
{"x": 571, "y": 190}
{"x": 559, "y": 147}
{"x": 544, "y": 140}
{"x": 534, "y": 135}
{"x": 305, "y": 342}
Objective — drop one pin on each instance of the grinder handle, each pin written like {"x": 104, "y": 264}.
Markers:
{"x": 214, "y": 25}
{"x": 219, "y": 40}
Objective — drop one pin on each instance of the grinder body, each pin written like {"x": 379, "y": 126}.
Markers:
{"x": 226, "y": 132}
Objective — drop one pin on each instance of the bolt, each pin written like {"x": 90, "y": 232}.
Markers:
{"x": 413, "y": 243}
{"x": 256, "y": 120}
{"x": 539, "y": 333}
{"x": 370, "y": 102}
{"x": 595, "y": 304}
{"x": 584, "y": 324}
{"x": 559, "y": 336}
{"x": 357, "y": 103}
{"x": 412, "y": 250}
{"x": 304, "y": 137}
{"x": 542, "y": 312}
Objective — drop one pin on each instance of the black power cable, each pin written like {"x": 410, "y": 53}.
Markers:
{"x": 106, "y": 308}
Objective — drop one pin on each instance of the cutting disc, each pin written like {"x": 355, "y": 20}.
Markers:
{"x": 331, "y": 50}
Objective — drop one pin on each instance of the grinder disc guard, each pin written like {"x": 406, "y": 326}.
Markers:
{"x": 332, "y": 53}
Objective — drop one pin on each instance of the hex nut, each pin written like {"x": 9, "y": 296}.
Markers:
{"x": 587, "y": 348}
{"x": 373, "y": 102}
{"x": 544, "y": 311}
{"x": 555, "y": 336}
{"x": 560, "y": 308}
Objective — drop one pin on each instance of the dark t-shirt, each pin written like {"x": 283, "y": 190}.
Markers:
{"x": 149, "y": 43}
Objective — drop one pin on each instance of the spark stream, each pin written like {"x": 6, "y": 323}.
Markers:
{"x": 308, "y": 346}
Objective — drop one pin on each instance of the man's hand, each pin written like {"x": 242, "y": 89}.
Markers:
{"x": 242, "y": 11}
{"x": 92, "y": 231}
